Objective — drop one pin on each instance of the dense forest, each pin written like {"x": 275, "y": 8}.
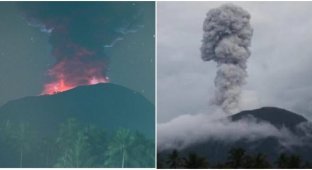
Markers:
{"x": 74, "y": 145}
{"x": 237, "y": 158}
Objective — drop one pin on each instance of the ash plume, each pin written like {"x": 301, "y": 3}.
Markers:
{"x": 227, "y": 36}
{"x": 78, "y": 33}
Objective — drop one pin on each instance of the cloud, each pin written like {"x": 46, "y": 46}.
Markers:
{"x": 189, "y": 129}
{"x": 278, "y": 69}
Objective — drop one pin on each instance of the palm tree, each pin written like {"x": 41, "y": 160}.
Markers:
{"x": 119, "y": 147}
{"x": 98, "y": 140}
{"x": 282, "y": 161}
{"x": 130, "y": 149}
{"x": 21, "y": 135}
{"x": 194, "y": 161}
{"x": 74, "y": 146}
{"x": 174, "y": 161}
{"x": 261, "y": 162}
{"x": 289, "y": 162}
{"x": 142, "y": 152}
{"x": 258, "y": 161}
{"x": 236, "y": 158}
{"x": 47, "y": 150}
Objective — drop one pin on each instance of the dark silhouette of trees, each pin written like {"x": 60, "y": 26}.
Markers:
{"x": 285, "y": 161}
{"x": 257, "y": 161}
{"x": 160, "y": 162}
{"x": 282, "y": 161}
{"x": 193, "y": 161}
{"x": 75, "y": 145}
{"x": 174, "y": 161}
{"x": 237, "y": 158}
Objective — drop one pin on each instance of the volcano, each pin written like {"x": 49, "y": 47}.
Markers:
{"x": 37, "y": 131}
{"x": 276, "y": 116}
{"x": 104, "y": 105}
{"x": 216, "y": 151}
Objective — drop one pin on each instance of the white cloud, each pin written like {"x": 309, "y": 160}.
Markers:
{"x": 188, "y": 129}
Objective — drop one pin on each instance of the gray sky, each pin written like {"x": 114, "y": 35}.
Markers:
{"x": 279, "y": 69}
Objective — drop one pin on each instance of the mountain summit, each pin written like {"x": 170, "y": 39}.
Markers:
{"x": 276, "y": 116}
{"x": 107, "y": 105}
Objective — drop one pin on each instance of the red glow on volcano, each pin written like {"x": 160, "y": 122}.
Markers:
{"x": 69, "y": 74}
{"x": 56, "y": 87}
{"x": 60, "y": 85}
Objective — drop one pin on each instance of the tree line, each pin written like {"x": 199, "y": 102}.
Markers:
{"x": 74, "y": 146}
{"x": 237, "y": 159}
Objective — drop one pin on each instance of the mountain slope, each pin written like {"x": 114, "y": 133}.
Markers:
{"x": 276, "y": 116}
{"x": 103, "y": 105}
{"x": 216, "y": 150}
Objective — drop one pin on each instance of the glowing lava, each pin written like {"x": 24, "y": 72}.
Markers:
{"x": 61, "y": 85}
{"x": 56, "y": 87}
{"x": 80, "y": 74}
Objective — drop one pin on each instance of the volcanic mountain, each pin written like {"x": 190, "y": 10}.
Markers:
{"x": 276, "y": 116}
{"x": 108, "y": 106}
{"x": 217, "y": 151}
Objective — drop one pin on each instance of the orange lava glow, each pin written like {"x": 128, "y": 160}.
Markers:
{"x": 70, "y": 73}
{"x": 60, "y": 85}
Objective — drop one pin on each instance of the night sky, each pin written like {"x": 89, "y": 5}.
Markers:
{"x": 25, "y": 55}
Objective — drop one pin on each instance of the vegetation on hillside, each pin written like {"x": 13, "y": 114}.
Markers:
{"x": 237, "y": 159}
{"x": 74, "y": 146}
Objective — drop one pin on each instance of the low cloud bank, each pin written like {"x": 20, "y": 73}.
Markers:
{"x": 189, "y": 129}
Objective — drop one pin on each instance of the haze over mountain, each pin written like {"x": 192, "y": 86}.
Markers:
{"x": 276, "y": 116}
{"x": 293, "y": 137}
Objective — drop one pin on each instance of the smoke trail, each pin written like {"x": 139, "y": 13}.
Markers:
{"x": 227, "y": 36}
{"x": 78, "y": 33}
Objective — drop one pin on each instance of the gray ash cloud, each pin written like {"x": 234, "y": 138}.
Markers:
{"x": 226, "y": 40}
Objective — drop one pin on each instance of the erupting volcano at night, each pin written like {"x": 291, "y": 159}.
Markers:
{"x": 85, "y": 74}
{"x": 74, "y": 78}
{"x": 75, "y": 71}
{"x": 60, "y": 84}
{"x": 78, "y": 35}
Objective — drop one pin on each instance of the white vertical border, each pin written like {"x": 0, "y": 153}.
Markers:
{"x": 156, "y": 113}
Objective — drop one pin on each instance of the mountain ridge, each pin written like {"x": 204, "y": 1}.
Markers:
{"x": 216, "y": 150}
{"x": 276, "y": 116}
{"x": 106, "y": 105}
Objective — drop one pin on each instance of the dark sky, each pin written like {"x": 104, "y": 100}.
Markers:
{"x": 25, "y": 55}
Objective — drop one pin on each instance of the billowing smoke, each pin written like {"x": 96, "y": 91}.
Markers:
{"x": 227, "y": 36}
{"x": 79, "y": 32}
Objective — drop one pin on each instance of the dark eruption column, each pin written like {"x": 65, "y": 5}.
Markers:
{"x": 227, "y": 36}
{"x": 78, "y": 33}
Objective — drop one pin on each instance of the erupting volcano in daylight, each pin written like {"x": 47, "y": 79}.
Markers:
{"x": 78, "y": 35}
{"x": 227, "y": 36}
